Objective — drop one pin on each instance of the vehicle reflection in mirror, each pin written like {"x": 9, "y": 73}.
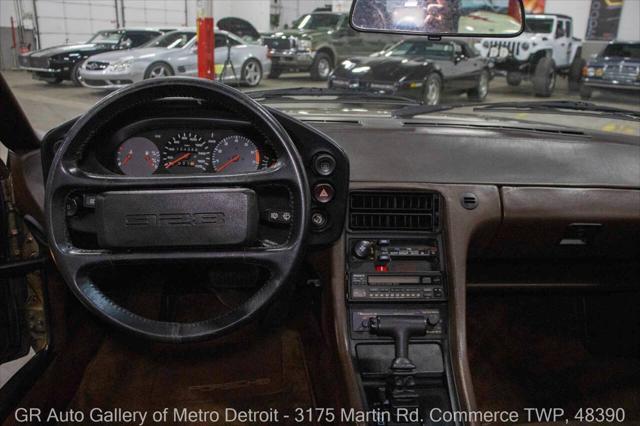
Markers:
{"x": 502, "y": 18}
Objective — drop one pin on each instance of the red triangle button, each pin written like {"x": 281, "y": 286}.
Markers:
{"x": 323, "y": 193}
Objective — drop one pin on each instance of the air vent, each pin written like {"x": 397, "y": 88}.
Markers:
{"x": 469, "y": 200}
{"x": 393, "y": 211}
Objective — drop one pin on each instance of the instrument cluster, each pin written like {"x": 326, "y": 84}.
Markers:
{"x": 190, "y": 151}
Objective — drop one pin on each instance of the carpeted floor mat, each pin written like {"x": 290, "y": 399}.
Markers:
{"x": 530, "y": 351}
{"x": 264, "y": 372}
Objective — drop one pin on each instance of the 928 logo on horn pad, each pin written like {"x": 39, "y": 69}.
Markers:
{"x": 174, "y": 219}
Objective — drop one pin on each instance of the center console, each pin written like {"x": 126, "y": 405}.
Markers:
{"x": 396, "y": 297}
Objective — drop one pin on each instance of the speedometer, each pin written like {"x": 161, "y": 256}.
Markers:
{"x": 235, "y": 154}
{"x": 185, "y": 152}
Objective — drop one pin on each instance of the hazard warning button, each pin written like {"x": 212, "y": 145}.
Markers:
{"x": 323, "y": 193}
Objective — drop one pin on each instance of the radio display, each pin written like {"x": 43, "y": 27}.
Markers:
{"x": 392, "y": 280}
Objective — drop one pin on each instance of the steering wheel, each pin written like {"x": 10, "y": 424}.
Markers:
{"x": 226, "y": 232}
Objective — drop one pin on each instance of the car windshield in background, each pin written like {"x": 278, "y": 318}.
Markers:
{"x": 539, "y": 25}
{"x": 313, "y": 21}
{"x": 106, "y": 37}
{"x": 622, "y": 50}
{"x": 173, "y": 40}
{"x": 422, "y": 48}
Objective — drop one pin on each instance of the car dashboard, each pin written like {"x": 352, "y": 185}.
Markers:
{"x": 406, "y": 216}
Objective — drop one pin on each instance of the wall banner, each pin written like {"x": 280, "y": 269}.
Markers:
{"x": 534, "y": 6}
{"x": 604, "y": 17}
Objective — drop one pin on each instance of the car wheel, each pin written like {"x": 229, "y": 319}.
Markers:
{"x": 322, "y": 67}
{"x": 514, "y": 79}
{"x": 479, "y": 93}
{"x": 575, "y": 73}
{"x": 585, "y": 92}
{"x": 275, "y": 73}
{"x": 251, "y": 73}
{"x": 544, "y": 77}
{"x": 75, "y": 73}
{"x": 158, "y": 69}
{"x": 432, "y": 89}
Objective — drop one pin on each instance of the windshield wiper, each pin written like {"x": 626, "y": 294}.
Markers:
{"x": 578, "y": 106}
{"x": 575, "y": 107}
{"x": 341, "y": 94}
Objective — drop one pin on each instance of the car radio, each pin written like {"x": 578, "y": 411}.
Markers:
{"x": 395, "y": 270}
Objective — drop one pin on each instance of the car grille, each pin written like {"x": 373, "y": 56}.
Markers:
{"x": 96, "y": 65}
{"x": 620, "y": 72}
{"x": 96, "y": 83}
{"x": 512, "y": 46}
{"x": 363, "y": 85}
{"x": 33, "y": 62}
{"x": 279, "y": 43}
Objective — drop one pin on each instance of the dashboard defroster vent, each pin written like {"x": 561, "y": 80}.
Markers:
{"x": 394, "y": 211}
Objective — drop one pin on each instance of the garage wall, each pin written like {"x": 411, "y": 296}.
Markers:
{"x": 292, "y": 9}
{"x": 65, "y": 21}
{"x": 254, "y": 11}
{"x": 154, "y": 13}
{"x": 629, "y": 29}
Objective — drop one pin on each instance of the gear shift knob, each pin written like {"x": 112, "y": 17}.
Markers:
{"x": 401, "y": 328}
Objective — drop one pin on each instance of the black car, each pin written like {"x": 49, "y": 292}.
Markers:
{"x": 417, "y": 68}
{"x": 58, "y": 63}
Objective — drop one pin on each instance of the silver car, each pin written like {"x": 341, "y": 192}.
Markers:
{"x": 175, "y": 53}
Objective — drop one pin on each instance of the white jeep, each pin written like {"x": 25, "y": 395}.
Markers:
{"x": 545, "y": 49}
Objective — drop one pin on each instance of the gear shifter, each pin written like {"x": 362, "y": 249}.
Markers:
{"x": 401, "y": 328}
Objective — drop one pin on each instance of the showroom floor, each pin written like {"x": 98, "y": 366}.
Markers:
{"x": 46, "y": 106}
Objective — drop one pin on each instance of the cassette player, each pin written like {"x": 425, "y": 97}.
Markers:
{"x": 396, "y": 270}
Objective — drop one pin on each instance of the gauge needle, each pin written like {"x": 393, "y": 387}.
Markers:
{"x": 228, "y": 163}
{"x": 127, "y": 158}
{"x": 148, "y": 159}
{"x": 177, "y": 160}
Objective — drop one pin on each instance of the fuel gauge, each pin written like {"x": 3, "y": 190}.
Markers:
{"x": 138, "y": 156}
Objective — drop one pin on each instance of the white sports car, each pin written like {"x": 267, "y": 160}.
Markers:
{"x": 175, "y": 53}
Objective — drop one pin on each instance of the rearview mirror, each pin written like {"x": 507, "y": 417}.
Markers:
{"x": 482, "y": 18}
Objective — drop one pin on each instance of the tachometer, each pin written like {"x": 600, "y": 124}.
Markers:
{"x": 138, "y": 157}
{"x": 185, "y": 152}
{"x": 235, "y": 154}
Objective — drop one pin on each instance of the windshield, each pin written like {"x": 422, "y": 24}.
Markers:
{"x": 310, "y": 63}
{"x": 314, "y": 21}
{"x": 106, "y": 37}
{"x": 173, "y": 40}
{"x": 539, "y": 25}
{"x": 423, "y": 48}
{"x": 621, "y": 50}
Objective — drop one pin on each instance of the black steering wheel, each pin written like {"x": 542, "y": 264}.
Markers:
{"x": 224, "y": 232}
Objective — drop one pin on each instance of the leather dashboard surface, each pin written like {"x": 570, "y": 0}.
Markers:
{"x": 413, "y": 153}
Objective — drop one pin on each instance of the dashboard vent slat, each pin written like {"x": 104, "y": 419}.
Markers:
{"x": 394, "y": 211}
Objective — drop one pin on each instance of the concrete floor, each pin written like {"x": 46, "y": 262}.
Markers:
{"x": 48, "y": 106}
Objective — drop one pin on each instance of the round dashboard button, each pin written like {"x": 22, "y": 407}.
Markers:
{"x": 323, "y": 193}
{"x": 319, "y": 220}
{"x": 324, "y": 164}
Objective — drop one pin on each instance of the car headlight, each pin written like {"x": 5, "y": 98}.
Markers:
{"x": 121, "y": 66}
{"x": 591, "y": 72}
{"x": 525, "y": 45}
{"x": 347, "y": 64}
{"x": 486, "y": 44}
{"x": 599, "y": 72}
{"x": 304, "y": 45}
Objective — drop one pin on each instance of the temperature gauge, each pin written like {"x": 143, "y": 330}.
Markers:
{"x": 138, "y": 157}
